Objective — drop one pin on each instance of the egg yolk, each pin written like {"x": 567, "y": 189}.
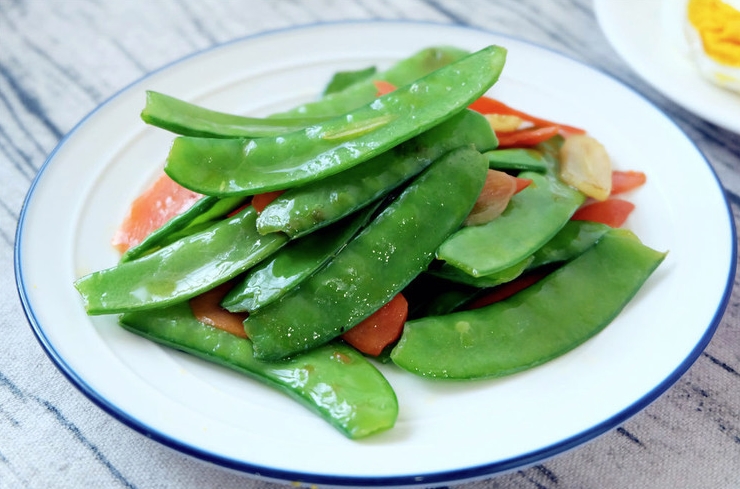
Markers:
{"x": 718, "y": 24}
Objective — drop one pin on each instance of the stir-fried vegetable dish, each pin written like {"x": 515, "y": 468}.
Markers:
{"x": 403, "y": 217}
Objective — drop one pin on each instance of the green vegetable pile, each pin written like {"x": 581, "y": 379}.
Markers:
{"x": 375, "y": 193}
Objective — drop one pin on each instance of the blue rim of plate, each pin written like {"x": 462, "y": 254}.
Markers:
{"x": 423, "y": 479}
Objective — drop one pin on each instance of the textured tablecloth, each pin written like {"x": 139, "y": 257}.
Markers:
{"x": 59, "y": 59}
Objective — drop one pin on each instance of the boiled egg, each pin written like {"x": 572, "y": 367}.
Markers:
{"x": 712, "y": 31}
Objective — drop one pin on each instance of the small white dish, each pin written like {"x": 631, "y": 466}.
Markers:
{"x": 649, "y": 36}
{"x": 447, "y": 432}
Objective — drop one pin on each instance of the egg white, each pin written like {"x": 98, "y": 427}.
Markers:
{"x": 720, "y": 74}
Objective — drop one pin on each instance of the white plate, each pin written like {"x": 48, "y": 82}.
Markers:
{"x": 648, "y": 35}
{"x": 446, "y": 431}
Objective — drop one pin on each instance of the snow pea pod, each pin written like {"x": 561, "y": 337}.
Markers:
{"x": 302, "y": 209}
{"x": 532, "y": 217}
{"x": 454, "y": 274}
{"x": 292, "y": 264}
{"x": 428, "y": 295}
{"x": 572, "y": 240}
{"x": 544, "y": 321}
{"x": 334, "y": 381}
{"x": 344, "y": 79}
{"x": 393, "y": 249}
{"x": 517, "y": 159}
{"x": 181, "y": 117}
{"x": 202, "y": 214}
{"x": 364, "y": 91}
{"x": 181, "y": 270}
{"x": 226, "y": 167}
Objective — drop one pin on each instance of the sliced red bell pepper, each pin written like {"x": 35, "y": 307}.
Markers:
{"x": 380, "y": 329}
{"x": 162, "y": 201}
{"x": 383, "y": 87}
{"x": 612, "y": 212}
{"x": 260, "y": 201}
{"x": 523, "y": 138}
{"x": 521, "y": 184}
{"x": 207, "y": 309}
{"x": 624, "y": 181}
{"x": 506, "y": 290}
{"x": 488, "y": 105}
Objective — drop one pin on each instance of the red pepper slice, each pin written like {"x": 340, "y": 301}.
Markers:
{"x": 207, "y": 309}
{"x": 612, "y": 212}
{"x": 526, "y": 137}
{"x": 488, "y": 105}
{"x": 260, "y": 201}
{"x": 506, "y": 290}
{"x": 383, "y": 87}
{"x": 380, "y": 329}
{"x": 624, "y": 181}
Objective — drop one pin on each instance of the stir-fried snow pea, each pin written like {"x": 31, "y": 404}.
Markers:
{"x": 360, "y": 93}
{"x": 454, "y": 274}
{"x": 428, "y": 295}
{"x": 343, "y": 79}
{"x": 532, "y": 217}
{"x": 393, "y": 249}
{"x": 180, "y": 117}
{"x": 292, "y": 264}
{"x": 334, "y": 381}
{"x": 182, "y": 270}
{"x": 538, "y": 324}
{"x": 225, "y": 167}
{"x": 184, "y": 118}
{"x": 200, "y": 215}
{"x": 302, "y": 209}
{"x": 517, "y": 159}
{"x": 572, "y": 240}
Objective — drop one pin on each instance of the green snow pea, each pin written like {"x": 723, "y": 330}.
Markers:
{"x": 444, "y": 288}
{"x": 454, "y": 274}
{"x": 334, "y": 381}
{"x": 272, "y": 278}
{"x": 300, "y": 210}
{"x": 344, "y": 79}
{"x": 393, "y": 249}
{"x": 572, "y": 240}
{"x": 226, "y": 167}
{"x": 428, "y": 295}
{"x": 517, "y": 159}
{"x": 544, "y": 321}
{"x": 362, "y": 92}
{"x": 532, "y": 217}
{"x": 180, "y": 117}
{"x": 201, "y": 215}
{"x": 182, "y": 270}
{"x": 187, "y": 119}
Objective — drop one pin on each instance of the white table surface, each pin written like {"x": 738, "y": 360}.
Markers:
{"x": 59, "y": 59}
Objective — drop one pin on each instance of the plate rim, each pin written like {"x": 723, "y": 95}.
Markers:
{"x": 458, "y": 475}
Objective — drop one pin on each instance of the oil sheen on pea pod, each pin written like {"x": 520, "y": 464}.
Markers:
{"x": 334, "y": 381}
{"x": 362, "y": 92}
{"x": 182, "y": 270}
{"x": 289, "y": 266}
{"x": 531, "y": 219}
{"x": 224, "y": 167}
{"x": 544, "y": 321}
{"x": 181, "y": 117}
{"x": 187, "y": 119}
{"x": 303, "y": 209}
{"x": 390, "y": 252}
